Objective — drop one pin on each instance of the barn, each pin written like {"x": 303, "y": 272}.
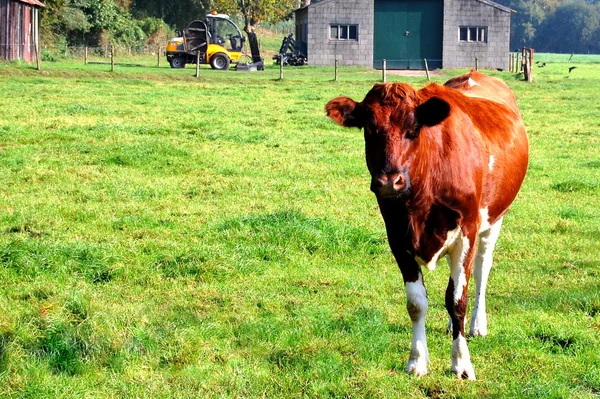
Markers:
{"x": 19, "y": 29}
{"x": 448, "y": 33}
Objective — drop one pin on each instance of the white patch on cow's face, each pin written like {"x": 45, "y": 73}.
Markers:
{"x": 416, "y": 299}
{"x": 491, "y": 163}
{"x": 450, "y": 240}
{"x": 472, "y": 82}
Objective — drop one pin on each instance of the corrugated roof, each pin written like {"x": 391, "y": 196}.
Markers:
{"x": 315, "y": 3}
{"x": 33, "y": 2}
{"x": 496, "y": 5}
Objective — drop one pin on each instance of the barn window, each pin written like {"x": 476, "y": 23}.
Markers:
{"x": 343, "y": 32}
{"x": 472, "y": 34}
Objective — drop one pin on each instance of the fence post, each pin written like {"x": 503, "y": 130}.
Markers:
{"x": 37, "y": 55}
{"x": 427, "y": 69}
{"x": 85, "y": 55}
{"x": 531, "y": 51}
{"x": 476, "y": 63}
{"x": 528, "y": 65}
{"x": 158, "y": 56}
{"x": 335, "y": 70}
{"x": 280, "y": 68}
{"x": 384, "y": 71}
{"x": 198, "y": 64}
{"x": 112, "y": 58}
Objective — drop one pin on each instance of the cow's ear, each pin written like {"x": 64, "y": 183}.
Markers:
{"x": 432, "y": 111}
{"x": 345, "y": 111}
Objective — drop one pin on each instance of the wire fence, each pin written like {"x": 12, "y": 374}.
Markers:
{"x": 145, "y": 56}
{"x": 138, "y": 55}
{"x": 101, "y": 51}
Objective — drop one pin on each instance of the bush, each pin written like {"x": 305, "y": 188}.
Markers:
{"x": 48, "y": 56}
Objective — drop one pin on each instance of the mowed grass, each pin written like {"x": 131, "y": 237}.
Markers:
{"x": 163, "y": 236}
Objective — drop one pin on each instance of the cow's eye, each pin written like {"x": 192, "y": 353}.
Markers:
{"x": 414, "y": 132}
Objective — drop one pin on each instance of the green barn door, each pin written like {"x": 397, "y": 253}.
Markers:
{"x": 408, "y": 31}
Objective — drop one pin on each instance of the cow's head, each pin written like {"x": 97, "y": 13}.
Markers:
{"x": 393, "y": 117}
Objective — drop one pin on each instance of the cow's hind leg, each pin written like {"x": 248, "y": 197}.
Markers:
{"x": 461, "y": 258}
{"x": 483, "y": 265}
{"x": 416, "y": 304}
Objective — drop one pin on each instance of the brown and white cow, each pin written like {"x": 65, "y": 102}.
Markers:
{"x": 446, "y": 162}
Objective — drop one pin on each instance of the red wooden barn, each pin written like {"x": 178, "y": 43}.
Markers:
{"x": 19, "y": 29}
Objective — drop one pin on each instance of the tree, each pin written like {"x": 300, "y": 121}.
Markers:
{"x": 175, "y": 13}
{"x": 50, "y": 20}
{"x": 255, "y": 11}
{"x": 528, "y": 17}
{"x": 573, "y": 28}
{"x": 90, "y": 22}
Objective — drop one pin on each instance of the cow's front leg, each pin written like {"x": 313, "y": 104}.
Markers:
{"x": 456, "y": 303}
{"x": 483, "y": 265}
{"x": 416, "y": 304}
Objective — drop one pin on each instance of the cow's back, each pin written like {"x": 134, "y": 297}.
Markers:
{"x": 476, "y": 84}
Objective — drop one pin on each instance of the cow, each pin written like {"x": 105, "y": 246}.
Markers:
{"x": 446, "y": 162}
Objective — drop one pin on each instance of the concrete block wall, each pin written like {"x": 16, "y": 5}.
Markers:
{"x": 320, "y": 50}
{"x": 494, "y": 53}
{"x": 324, "y": 51}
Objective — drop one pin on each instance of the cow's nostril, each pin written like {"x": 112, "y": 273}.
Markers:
{"x": 390, "y": 184}
{"x": 399, "y": 182}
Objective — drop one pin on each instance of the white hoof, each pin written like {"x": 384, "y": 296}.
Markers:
{"x": 478, "y": 326}
{"x": 461, "y": 360}
{"x": 464, "y": 371}
{"x": 478, "y": 331}
{"x": 417, "y": 367}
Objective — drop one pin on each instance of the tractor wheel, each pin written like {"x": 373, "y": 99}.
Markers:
{"x": 219, "y": 61}
{"x": 177, "y": 62}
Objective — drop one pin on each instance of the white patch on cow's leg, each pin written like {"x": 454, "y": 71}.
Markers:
{"x": 483, "y": 265}
{"x": 460, "y": 276}
{"x": 491, "y": 163}
{"x": 456, "y": 303}
{"x": 461, "y": 360}
{"x": 457, "y": 269}
{"x": 416, "y": 304}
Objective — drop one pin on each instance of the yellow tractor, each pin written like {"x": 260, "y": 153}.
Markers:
{"x": 217, "y": 38}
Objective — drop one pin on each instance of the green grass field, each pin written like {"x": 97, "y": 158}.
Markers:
{"x": 163, "y": 236}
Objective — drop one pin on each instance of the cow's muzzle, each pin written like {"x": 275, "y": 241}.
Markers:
{"x": 389, "y": 185}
